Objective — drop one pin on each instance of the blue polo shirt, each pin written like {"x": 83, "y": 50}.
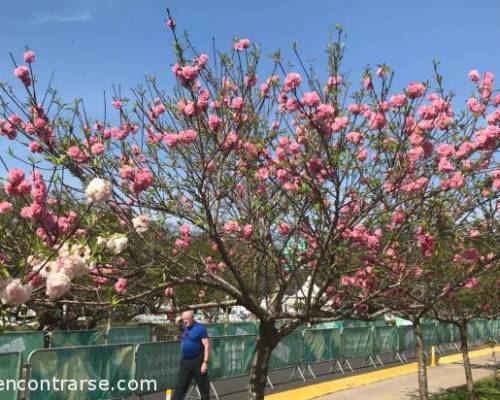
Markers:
{"x": 191, "y": 336}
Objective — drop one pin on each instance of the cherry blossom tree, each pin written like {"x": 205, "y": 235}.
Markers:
{"x": 477, "y": 298}
{"x": 454, "y": 248}
{"x": 244, "y": 187}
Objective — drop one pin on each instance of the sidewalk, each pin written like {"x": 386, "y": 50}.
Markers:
{"x": 397, "y": 383}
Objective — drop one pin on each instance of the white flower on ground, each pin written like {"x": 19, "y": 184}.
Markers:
{"x": 141, "y": 223}
{"x": 58, "y": 283}
{"x": 14, "y": 292}
{"x": 98, "y": 190}
{"x": 117, "y": 243}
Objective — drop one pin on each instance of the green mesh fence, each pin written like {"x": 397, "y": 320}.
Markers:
{"x": 76, "y": 338}
{"x": 129, "y": 335}
{"x": 288, "y": 352}
{"x": 215, "y": 330}
{"x": 329, "y": 325}
{"x": 447, "y": 333}
{"x": 10, "y": 370}
{"x": 478, "y": 328}
{"x": 455, "y": 333}
{"x": 280, "y": 322}
{"x": 21, "y": 342}
{"x": 241, "y": 328}
{"x": 354, "y": 323}
{"x": 231, "y": 356}
{"x": 357, "y": 342}
{"x": 406, "y": 337}
{"x": 79, "y": 366}
{"x": 158, "y": 361}
{"x": 429, "y": 334}
{"x": 386, "y": 339}
{"x": 495, "y": 327}
{"x": 322, "y": 345}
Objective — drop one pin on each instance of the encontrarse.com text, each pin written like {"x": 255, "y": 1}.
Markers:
{"x": 77, "y": 385}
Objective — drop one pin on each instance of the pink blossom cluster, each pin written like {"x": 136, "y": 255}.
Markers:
{"x": 187, "y": 74}
{"x": 292, "y": 81}
{"x": 23, "y": 74}
{"x": 121, "y": 285}
{"x": 425, "y": 242}
{"x": 49, "y": 224}
{"x": 14, "y": 292}
{"x": 100, "y": 273}
{"x": 139, "y": 179}
{"x": 121, "y": 132}
{"x": 169, "y": 291}
{"x": 334, "y": 81}
{"x": 182, "y": 243}
{"x": 363, "y": 278}
{"x": 496, "y": 178}
{"x": 467, "y": 256}
{"x": 72, "y": 261}
{"x": 183, "y": 137}
{"x": 211, "y": 266}
{"x": 170, "y": 23}
{"x": 414, "y": 90}
{"x": 141, "y": 223}
{"x": 241, "y": 44}
{"x": 142, "y": 180}
{"x": 283, "y": 228}
{"x": 38, "y": 127}
{"x": 6, "y": 207}
{"x": 486, "y": 86}
{"x": 264, "y": 87}
{"x": 78, "y": 154}
{"x": 233, "y": 227}
{"x": 415, "y": 185}
{"x": 29, "y": 57}
{"x": 8, "y": 128}
{"x": 16, "y": 184}
{"x": 157, "y": 109}
{"x": 214, "y": 123}
{"x": 360, "y": 235}
{"x": 470, "y": 283}
{"x": 186, "y": 108}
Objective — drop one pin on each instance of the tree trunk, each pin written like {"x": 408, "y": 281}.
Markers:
{"x": 260, "y": 363}
{"x": 422, "y": 367}
{"x": 469, "y": 382}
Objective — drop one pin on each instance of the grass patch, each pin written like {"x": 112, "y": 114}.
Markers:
{"x": 486, "y": 389}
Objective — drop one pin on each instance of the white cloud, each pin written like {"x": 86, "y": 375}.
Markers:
{"x": 47, "y": 18}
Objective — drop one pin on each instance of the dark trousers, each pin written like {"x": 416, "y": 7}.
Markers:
{"x": 189, "y": 369}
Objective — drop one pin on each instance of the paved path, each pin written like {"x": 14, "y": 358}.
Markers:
{"x": 392, "y": 383}
{"x": 405, "y": 386}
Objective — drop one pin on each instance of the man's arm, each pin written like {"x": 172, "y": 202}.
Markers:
{"x": 206, "y": 345}
{"x": 206, "y": 354}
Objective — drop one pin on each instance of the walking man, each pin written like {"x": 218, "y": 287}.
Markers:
{"x": 195, "y": 350}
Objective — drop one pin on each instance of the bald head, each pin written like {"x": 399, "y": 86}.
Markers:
{"x": 187, "y": 317}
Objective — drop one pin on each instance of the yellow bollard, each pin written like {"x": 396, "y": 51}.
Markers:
{"x": 168, "y": 394}
{"x": 433, "y": 356}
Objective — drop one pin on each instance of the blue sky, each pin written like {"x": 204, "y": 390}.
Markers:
{"x": 94, "y": 43}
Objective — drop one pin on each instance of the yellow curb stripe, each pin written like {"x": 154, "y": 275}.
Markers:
{"x": 311, "y": 391}
{"x": 458, "y": 356}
